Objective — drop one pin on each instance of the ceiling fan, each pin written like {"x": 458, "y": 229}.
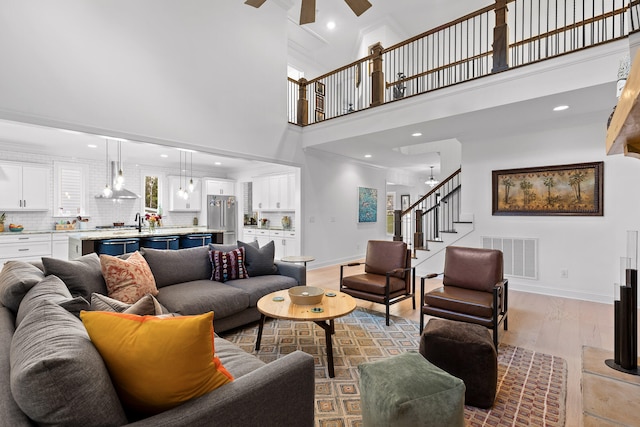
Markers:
{"x": 308, "y": 9}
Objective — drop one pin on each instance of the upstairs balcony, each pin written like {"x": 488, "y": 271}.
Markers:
{"x": 506, "y": 35}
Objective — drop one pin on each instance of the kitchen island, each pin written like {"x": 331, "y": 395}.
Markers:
{"x": 83, "y": 242}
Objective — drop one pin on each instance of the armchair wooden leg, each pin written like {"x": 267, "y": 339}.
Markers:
{"x": 421, "y": 304}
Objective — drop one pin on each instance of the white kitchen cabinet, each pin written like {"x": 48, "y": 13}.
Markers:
{"x": 24, "y": 247}
{"x": 260, "y": 193}
{"x": 274, "y": 192}
{"x": 178, "y": 204}
{"x": 24, "y": 187}
{"x": 60, "y": 246}
{"x": 249, "y": 235}
{"x": 262, "y": 236}
{"x": 219, "y": 187}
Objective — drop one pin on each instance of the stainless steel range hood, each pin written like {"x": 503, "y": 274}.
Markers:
{"x": 117, "y": 194}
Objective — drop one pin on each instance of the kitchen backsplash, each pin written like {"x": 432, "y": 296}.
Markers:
{"x": 100, "y": 211}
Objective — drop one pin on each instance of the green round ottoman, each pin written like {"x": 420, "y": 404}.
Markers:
{"x": 408, "y": 390}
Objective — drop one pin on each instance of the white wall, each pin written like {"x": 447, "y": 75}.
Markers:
{"x": 588, "y": 247}
{"x": 205, "y": 73}
{"x": 330, "y": 184}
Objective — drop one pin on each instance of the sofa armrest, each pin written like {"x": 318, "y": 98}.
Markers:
{"x": 297, "y": 271}
{"x": 278, "y": 394}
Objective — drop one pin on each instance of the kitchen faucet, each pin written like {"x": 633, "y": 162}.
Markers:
{"x": 139, "y": 219}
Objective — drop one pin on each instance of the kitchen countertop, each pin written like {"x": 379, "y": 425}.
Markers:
{"x": 276, "y": 228}
{"x": 115, "y": 233}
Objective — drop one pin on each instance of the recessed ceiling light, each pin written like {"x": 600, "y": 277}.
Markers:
{"x": 331, "y": 25}
{"x": 164, "y": 155}
{"x": 561, "y": 108}
{"x": 416, "y": 134}
{"x": 367, "y": 156}
{"x": 92, "y": 146}
{"x": 217, "y": 163}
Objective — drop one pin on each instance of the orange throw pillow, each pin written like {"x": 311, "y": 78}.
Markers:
{"x": 157, "y": 363}
{"x": 129, "y": 279}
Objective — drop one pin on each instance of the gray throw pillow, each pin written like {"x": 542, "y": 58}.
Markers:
{"x": 75, "y": 305}
{"x": 16, "y": 278}
{"x": 57, "y": 375}
{"x": 177, "y": 266}
{"x": 147, "y": 305}
{"x": 259, "y": 262}
{"x": 83, "y": 276}
{"x": 229, "y": 248}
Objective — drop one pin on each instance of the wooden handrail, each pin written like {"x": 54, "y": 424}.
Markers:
{"x": 441, "y": 27}
{"x": 433, "y": 190}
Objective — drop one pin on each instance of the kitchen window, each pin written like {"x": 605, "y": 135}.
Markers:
{"x": 69, "y": 197}
{"x": 151, "y": 193}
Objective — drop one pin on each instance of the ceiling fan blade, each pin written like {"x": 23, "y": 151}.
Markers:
{"x": 358, "y": 6}
{"x": 255, "y": 3}
{"x": 308, "y": 12}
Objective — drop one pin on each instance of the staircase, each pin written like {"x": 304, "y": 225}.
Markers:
{"x": 432, "y": 223}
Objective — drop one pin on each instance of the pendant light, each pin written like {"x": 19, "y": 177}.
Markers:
{"x": 107, "y": 192}
{"x": 431, "y": 182}
{"x": 180, "y": 191}
{"x": 120, "y": 177}
{"x": 191, "y": 186}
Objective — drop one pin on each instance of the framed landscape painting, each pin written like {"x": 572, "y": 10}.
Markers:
{"x": 574, "y": 189}
{"x": 367, "y": 204}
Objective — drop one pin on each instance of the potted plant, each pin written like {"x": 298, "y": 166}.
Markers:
{"x": 3, "y": 217}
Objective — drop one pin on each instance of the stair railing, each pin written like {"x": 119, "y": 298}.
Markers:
{"x": 431, "y": 215}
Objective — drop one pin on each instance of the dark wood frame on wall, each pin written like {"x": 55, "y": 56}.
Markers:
{"x": 572, "y": 190}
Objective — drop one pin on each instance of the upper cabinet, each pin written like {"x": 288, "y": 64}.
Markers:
{"x": 24, "y": 187}
{"x": 219, "y": 187}
{"x": 193, "y": 203}
{"x": 274, "y": 192}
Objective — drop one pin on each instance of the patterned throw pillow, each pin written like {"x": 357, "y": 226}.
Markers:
{"x": 228, "y": 265}
{"x": 128, "y": 280}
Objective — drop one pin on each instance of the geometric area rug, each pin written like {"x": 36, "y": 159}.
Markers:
{"x": 531, "y": 385}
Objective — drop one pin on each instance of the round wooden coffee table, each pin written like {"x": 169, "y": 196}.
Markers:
{"x": 332, "y": 307}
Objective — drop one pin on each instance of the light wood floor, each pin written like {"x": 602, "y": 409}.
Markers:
{"x": 551, "y": 325}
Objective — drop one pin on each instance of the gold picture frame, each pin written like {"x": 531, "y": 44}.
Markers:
{"x": 574, "y": 189}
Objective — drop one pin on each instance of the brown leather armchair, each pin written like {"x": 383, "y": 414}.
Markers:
{"x": 473, "y": 290}
{"x": 388, "y": 277}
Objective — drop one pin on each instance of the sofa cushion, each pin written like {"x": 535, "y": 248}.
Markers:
{"x": 259, "y": 261}
{"x": 16, "y": 278}
{"x": 48, "y": 289}
{"x": 11, "y": 413}
{"x": 176, "y": 266}
{"x": 128, "y": 280}
{"x": 228, "y": 265}
{"x": 201, "y": 296}
{"x": 157, "y": 364}
{"x": 57, "y": 376}
{"x": 237, "y": 361}
{"x": 83, "y": 276}
{"x": 257, "y": 287}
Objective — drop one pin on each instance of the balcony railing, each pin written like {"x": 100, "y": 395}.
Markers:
{"x": 501, "y": 36}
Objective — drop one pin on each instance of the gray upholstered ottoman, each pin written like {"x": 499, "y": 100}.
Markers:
{"x": 407, "y": 390}
{"x": 466, "y": 351}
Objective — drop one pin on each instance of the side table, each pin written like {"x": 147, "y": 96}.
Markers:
{"x": 299, "y": 258}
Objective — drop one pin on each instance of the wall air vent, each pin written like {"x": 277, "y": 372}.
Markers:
{"x": 520, "y": 255}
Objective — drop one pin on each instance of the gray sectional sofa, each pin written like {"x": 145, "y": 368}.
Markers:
{"x": 51, "y": 374}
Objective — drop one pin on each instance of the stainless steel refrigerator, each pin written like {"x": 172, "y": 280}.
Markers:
{"x": 221, "y": 215}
